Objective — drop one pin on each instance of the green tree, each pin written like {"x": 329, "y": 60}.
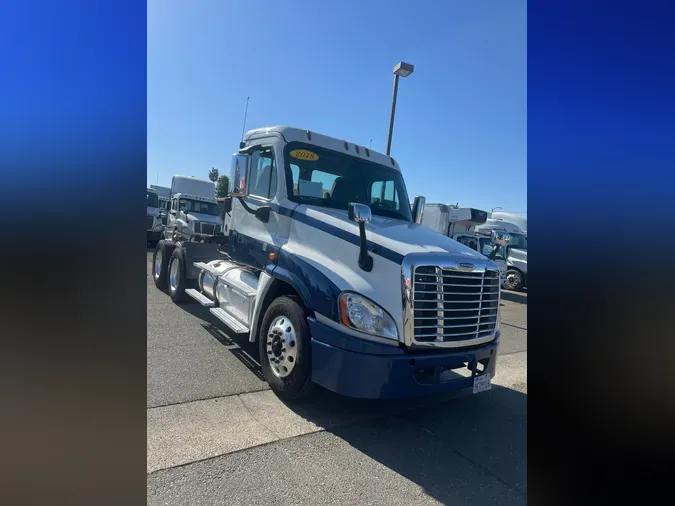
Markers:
{"x": 213, "y": 174}
{"x": 222, "y": 186}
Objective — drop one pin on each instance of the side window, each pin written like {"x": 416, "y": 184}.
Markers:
{"x": 262, "y": 178}
{"x": 174, "y": 204}
{"x": 468, "y": 241}
{"x": 486, "y": 249}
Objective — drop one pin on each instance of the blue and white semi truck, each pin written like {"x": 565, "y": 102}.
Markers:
{"x": 325, "y": 265}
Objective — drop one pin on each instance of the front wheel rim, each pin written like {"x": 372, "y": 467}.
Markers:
{"x": 281, "y": 347}
{"x": 158, "y": 264}
{"x": 174, "y": 275}
{"x": 511, "y": 281}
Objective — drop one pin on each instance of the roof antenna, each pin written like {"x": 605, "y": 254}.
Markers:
{"x": 243, "y": 128}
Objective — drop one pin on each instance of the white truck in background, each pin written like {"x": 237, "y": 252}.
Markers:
{"x": 164, "y": 194}
{"x": 519, "y": 220}
{"x": 516, "y": 251}
{"x": 459, "y": 223}
{"x": 193, "y": 213}
{"x": 154, "y": 222}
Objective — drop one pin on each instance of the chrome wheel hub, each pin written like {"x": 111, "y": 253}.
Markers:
{"x": 174, "y": 275}
{"x": 158, "y": 264}
{"x": 282, "y": 346}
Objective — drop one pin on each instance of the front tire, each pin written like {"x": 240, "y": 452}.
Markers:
{"x": 514, "y": 280}
{"x": 160, "y": 263}
{"x": 286, "y": 350}
{"x": 176, "y": 276}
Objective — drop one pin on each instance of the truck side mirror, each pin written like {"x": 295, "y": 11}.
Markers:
{"x": 361, "y": 214}
{"x": 500, "y": 238}
{"x": 227, "y": 205}
{"x": 239, "y": 173}
{"x": 418, "y": 209}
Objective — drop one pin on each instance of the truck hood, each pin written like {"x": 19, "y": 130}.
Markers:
{"x": 394, "y": 235}
{"x": 205, "y": 218}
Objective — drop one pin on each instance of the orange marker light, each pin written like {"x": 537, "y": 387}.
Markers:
{"x": 344, "y": 312}
{"x": 272, "y": 256}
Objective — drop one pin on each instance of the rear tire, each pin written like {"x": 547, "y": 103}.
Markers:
{"x": 514, "y": 280}
{"x": 288, "y": 372}
{"x": 176, "y": 272}
{"x": 160, "y": 263}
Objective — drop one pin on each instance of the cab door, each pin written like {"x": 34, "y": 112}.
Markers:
{"x": 254, "y": 229}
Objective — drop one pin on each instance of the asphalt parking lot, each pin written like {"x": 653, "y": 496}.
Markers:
{"x": 218, "y": 435}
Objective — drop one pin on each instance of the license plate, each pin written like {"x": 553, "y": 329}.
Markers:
{"x": 481, "y": 383}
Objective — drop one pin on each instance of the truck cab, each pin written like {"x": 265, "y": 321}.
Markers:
{"x": 515, "y": 253}
{"x": 193, "y": 213}
{"x": 328, "y": 269}
{"x": 154, "y": 224}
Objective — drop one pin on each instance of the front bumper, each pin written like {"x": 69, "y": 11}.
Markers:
{"x": 359, "y": 368}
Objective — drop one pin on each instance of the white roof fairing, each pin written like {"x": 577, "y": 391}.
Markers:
{"x": 291, "y": 134}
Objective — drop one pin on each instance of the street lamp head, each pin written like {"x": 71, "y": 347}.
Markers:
{"x": 403, "y": 69}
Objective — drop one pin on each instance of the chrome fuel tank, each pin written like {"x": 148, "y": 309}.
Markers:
{"x": 207, "y": 280}
{"x": 232, "y": 286}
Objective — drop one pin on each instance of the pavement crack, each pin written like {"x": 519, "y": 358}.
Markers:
{"x": 248, "y": 410}
{"x": 515, "y": 326}
{"x": 480, "y": 466}
{"x": 209, "y": 398}
{"x": 511, "y": 353}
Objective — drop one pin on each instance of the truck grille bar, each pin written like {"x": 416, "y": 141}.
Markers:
{"x": 207, "y": 228}
{"x": 449, "y": 306}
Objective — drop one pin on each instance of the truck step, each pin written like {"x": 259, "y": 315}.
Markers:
{"x": 206, "y": 268}
{"x": 229, "y": 320}
{"x": 242, "y": 288}
{"x": 200, "y": 297}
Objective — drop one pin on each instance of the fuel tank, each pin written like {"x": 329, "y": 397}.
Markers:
{"x": 232, "y": 286}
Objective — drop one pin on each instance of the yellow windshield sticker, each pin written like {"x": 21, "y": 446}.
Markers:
{"x": 303, "y": 154}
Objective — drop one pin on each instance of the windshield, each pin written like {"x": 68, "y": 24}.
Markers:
{"x": 322, "y": 177}
{"x": 153, "y": 199}
{"x": 197, "y": 206}
{"x": 518, "y": 241}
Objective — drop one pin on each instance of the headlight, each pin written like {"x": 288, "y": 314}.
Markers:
{"x": 360, "y": 313}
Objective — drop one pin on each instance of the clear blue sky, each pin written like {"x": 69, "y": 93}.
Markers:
{"x": 461, "y": 119}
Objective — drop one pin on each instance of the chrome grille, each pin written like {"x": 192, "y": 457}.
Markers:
{"x": 151, "y": 221}
{"x": 208, "y": 228}
{"x": 454, "y": 305}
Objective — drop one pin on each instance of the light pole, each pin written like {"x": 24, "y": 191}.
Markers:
{"x": 400, "y": 70}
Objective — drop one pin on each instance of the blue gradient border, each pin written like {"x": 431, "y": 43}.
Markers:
{"x": 601, "y": 191}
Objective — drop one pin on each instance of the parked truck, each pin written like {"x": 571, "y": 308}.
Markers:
{"x": 154, "y": 223}
{"x": 193, "y": 213}
{"x": 515, "y": 277}
{"x": 459, "y": 223}
{"x": 164, "y": 194}
{"x": 520, "y": 220}
{"x": 327, "y": 268}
